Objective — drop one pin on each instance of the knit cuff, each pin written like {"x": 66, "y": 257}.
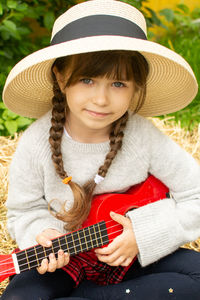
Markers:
{"x": 153, "y": 227}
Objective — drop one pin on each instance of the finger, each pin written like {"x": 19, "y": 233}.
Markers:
{"x": 126, "y": 262}
{"x": 43, "y": 240}
{"x": 109, "y": 258}
{"x": 52, "y": 263}
{"x": 44, "y": 266}
{"x": 52, "y": 234}
{"x": 112, "y": 247}
{"x": 63, "y": 259}
{"x": 117, "y": 262}
{"x": 124, "y": 221}
{"x": 60, "y": 259}
{"x": 67, "y": 258}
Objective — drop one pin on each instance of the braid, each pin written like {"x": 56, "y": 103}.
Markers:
{"x": 56, "y": 130}
{"x": 116, "y": 137}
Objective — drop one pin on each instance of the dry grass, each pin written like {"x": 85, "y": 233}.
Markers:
{"x": 7, "y": 148}
{"x": 190, "y": 141}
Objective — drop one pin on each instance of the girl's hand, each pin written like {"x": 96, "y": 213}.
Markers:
{"x": 123, "y": 248}
{"x": 44, "y": 239}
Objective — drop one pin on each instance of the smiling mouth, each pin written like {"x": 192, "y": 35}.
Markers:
{"x": 97, "y": 114}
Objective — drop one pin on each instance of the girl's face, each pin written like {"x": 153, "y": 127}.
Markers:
{"x": 95, "y": 103}
{"x": 99, "y": 89}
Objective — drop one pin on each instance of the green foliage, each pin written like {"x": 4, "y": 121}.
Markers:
{"x": 11, "y": 122}
{"x": 25, "y": 26}
{"x": 182, "y": 36}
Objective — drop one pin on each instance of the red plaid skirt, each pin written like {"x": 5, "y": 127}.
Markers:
{"x": 86, "y": 266}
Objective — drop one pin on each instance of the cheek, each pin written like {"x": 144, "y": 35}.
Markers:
{"x": 73, "y": 99}
{"x": 120, "y": 110}
{"x": 123, "y": 104}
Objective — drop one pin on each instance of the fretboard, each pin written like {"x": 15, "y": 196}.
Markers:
{"x": 78, "y": 241}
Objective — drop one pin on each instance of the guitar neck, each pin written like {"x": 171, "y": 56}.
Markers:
{"x": 76, "y": 242}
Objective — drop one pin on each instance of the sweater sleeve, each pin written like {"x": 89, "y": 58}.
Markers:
{"x": 163, "y": 226}
{"x": 28, "y": 213}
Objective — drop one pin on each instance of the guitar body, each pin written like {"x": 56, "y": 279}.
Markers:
{"x": 97, "y": 231}
{"x": 6, "y": 266}
{"x": 139, "y": 195}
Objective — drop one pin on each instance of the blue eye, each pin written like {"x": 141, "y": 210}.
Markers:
{"x": 118, "y": 84}
{"x": 86, "y": 80}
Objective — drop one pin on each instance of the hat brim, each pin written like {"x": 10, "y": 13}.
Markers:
{"x": 171, "y": 83}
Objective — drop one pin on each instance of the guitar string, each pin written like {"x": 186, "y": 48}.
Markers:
{"x": 6, "y": 272}
{"x": 55, "y": 248}
{"x": 58, "y": 247}
{"x": 4, "y": 262}
{"x": 75, "y": 240}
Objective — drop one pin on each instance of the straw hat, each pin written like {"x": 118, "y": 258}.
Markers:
{"x": 100, "y": 25}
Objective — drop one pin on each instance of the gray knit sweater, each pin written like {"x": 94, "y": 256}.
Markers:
{"x": 160, "y": 228}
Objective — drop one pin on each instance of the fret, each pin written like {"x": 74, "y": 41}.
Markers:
{"x": 88, "y": 240}
{"x": 98, "y": 235}
{"x": 99, "y": 231}
{"x": 41, "y": 254}
{"x": 104, "y": 231}
{"x": 73, "y": 243}
{"x": 85, "y": 239}
{"x": 105, "y": 237}
{"x": 32, "y": 257}
{"x": 77, "y": 247}
{"x": 52, "y": 249}
{"x": 79, "y": 239}
{"x": 55, "y": 246}
{"x": 95, "y": 234}
{"x": 68, "y": 250}
{"x": 48, "y": 251}
{"x": 44, "y": 251}
{"x": 27, "y": 259}
{"x": 22, "y": 261}
{"x": 64, "y": 243}
{"x": 82, "y": 240}
{"x": 36, "y": 256}
{"x": 59, "y": 243}
{"x": 90, "y": 236}
{"x": 70, "y": 244}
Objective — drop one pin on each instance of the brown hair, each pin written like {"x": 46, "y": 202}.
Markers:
{"x": 119, "y": 65}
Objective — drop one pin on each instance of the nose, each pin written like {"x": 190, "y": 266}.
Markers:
{"x": 100, "y": 96}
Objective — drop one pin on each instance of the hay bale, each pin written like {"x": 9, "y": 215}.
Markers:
{"x": 7, "y": 148}
{"x": 190, "y": 141}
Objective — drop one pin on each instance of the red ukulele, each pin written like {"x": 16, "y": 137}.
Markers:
{"x": 98, "y": 230}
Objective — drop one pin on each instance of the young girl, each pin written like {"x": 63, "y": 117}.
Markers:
{"x": 92, "y": 138}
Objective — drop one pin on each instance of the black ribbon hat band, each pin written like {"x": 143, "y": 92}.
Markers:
{"x": 98, "y": 25}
